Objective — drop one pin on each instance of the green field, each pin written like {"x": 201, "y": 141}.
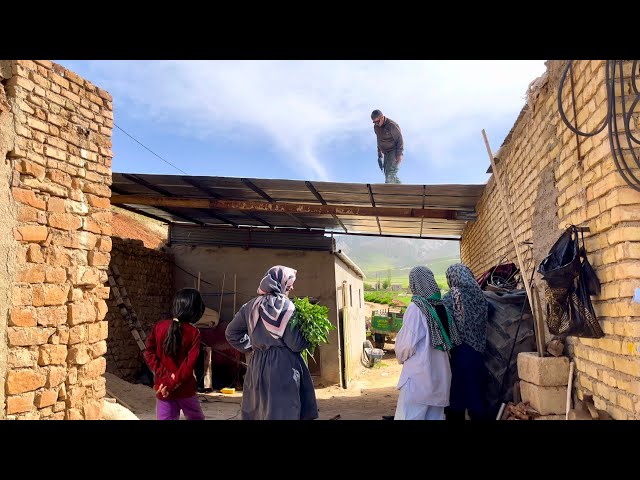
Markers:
{"x": 386, "y": 297}
{"x": 400, "y": 276}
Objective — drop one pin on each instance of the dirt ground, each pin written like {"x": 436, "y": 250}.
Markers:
{"x": 370, "y": 395}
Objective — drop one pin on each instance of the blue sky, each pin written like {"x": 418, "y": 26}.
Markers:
{"x": 310, "y": 120}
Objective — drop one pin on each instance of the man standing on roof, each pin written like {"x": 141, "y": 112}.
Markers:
{"x": 390, "y": 145}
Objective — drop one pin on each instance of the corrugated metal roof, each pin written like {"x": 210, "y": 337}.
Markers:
{"x": 351, "y": 208}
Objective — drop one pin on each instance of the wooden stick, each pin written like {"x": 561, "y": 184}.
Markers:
{"x": 540, "y": 345}
{"x": 569, "y": 385}
{"x": 234, "y": 293}
{"x": 507, "y": 212}
{"x": 499, "y": 416}
{"x": 221, "y": 295}
{"x": 198, "y": 281}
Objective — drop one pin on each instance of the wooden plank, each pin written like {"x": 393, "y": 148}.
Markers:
{"x": 229, "y": 193}
{"x": 396, "y": 189}
{"x": 288, "y": 196}
{"x": 366, "y": 223}
{"x": 453, "y": 238}
{"x": 520, "y": 257}
{"x": 160, "y": 180}
{"x": 436, "y": 222}
{"x": 183, "y": 191}
{"x": 416, "y": 228}
{"x": 440, "y": 201}
{"x": 417, "y": 224}
{"x": 347, "y": 198}
{"x": 569, "y": 390}
{"x": 279, "y": 184}
{"x": 540, "y": 336}
{"x": 404, "y": 231}
{"x": 147, "y": 213}
{"x": 456, "y": 190}
{"x": 129, "y": 189}
{"x": 153, "y": 212}
{"x": 412, "y": 225}
{"x": 404, "y": 221}
{"x": 321, "y": 222}
{"x": 217, "y": 182}
{"x": 334, "y": 187}
{"x": 366, "y": 229}
{"x": 399, "y": 200}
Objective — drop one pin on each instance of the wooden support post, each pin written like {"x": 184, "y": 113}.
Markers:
{"x": 507, "y": 212}
{"x": 234, "y": 293}
{"x": 539, "y": 325}
{"x": 569, "y": 388}
{"x": 224, "y": 275}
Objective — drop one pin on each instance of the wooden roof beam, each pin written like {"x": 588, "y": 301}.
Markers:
{"x": 289, "y": 208}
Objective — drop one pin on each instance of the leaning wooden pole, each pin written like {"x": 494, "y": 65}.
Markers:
{"x": 224, "y": 275}
{"x": 507, "y": 212}
{"x": 234, "y": 293}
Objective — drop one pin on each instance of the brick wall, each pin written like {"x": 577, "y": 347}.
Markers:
{"x": 548, "y": 189}
{"x": 148, "y": 277}
{"x": 60, "y": 161}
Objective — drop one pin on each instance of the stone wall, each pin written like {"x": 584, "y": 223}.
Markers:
{"x": 57, "y": 135}
{"x": 148, "y": 278}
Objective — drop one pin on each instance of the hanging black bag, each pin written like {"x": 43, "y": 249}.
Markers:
{"x": 570, "y": 280}
{"x": 588, "y": 273}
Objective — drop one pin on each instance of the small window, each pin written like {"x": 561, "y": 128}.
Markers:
{"x": 360, "y": 297}
{"x": 350, "y": 296}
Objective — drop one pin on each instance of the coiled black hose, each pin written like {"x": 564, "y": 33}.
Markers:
{"x": 611, "y": 119}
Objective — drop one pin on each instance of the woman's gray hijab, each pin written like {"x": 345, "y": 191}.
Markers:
{"x": 468, "y": 305}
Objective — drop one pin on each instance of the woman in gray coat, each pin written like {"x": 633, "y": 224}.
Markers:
{"x": 278, "y": 385}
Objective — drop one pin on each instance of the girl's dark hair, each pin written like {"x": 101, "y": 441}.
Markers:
{"x": 187, "y": 307}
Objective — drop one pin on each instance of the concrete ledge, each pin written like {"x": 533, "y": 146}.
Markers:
{"x": 543, "y": 371}
{"x": 546, "y": 400}
{"x": 551, "y": 417}
{"x": 115, "y": 411}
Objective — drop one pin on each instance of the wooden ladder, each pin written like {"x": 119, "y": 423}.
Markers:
{"x": 126, "y": 309}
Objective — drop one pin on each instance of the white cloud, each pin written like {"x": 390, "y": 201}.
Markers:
{"x": 301, "y": 106}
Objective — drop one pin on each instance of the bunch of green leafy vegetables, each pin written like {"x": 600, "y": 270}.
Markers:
{"x": 314, "y": 324}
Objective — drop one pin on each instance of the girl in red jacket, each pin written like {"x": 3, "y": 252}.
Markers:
{"x": 172, "y": 351}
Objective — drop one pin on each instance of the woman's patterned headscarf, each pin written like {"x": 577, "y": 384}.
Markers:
{"x": 468, "y": 305}
{"x": 273, "y": 306}
{"x": 426, "y": 295}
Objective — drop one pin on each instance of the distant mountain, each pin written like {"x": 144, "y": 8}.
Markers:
{"x": 377, "y": 256}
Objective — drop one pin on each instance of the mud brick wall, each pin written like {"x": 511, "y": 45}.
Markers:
{"x": 55, "y": 133}
{"x": 148, "y": 278}
{"x": 550, "y": 188}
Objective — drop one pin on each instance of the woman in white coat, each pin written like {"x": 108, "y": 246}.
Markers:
{"x": 422, "y": 348}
